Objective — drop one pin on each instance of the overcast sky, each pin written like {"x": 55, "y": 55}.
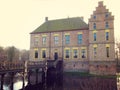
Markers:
{"x": 20, "y": 17}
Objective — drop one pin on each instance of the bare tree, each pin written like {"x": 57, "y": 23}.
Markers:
{"x": 117, "y": 51}
{"x": 12, "y": 53}
{"x": 3, "y": 56}
{"x": 118, "y": 45}
{"x": 24, "y": 55}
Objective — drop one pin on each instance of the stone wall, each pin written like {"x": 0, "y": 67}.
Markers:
{"x": 98, "y": 61}
{"x": 51, "y": 47}
{"x": 76, "y": 66}
{"x": 102, "y": 67}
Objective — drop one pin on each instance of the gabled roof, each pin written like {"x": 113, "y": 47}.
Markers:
{"x": 61, "y": 25}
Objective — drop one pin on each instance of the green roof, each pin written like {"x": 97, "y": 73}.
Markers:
{"x": 61, "y": 25}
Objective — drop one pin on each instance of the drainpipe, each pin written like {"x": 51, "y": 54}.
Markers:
{"x": 62, "y": 46}
{"x": 50, "y": 46}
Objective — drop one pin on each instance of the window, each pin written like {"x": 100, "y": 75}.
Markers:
{"x": 95, "y": 51}
{"x": 56, "y": 39}
{"x": 67, "y": 39}
{"x": 36, "y": 54}
{"x": 75, "y": 53}
{"x": 107, "y": 35}
{"x": 107, "y": 51}
{"x": 106, "y": 25}
{"x": 94, "y": 17}
{"x": 97, "y": 66}
{"x": 67, "y": 53}
{"x": 79, "y": 38}
{"x": 106, "y": 15}
{"x": 36, "y": 40}
{"x": 43, "y": 40}
{"x": 94, "y": 26}
{"x": 43, "y": 54}
{"x": 94, "y": 36}
{"x": 83, "y": 53}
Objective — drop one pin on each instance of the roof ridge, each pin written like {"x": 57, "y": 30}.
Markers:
{"x": 65, "y": 18}
{"x": 62, "y": 24}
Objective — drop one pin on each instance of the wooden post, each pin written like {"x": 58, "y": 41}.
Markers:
{"x": 12, "y": 82}
{"x": 43, "y": 76}
{"x": 29, "y": 73}
{"x": 46, "y": 76}
{"x": 23, "y": 86}
{"x": 2, "y": 81}
{"x": 36, "y": 76}
{"x": 24, "y": 74}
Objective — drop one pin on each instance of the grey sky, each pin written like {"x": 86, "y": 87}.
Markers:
{"x": 20, "y": 17}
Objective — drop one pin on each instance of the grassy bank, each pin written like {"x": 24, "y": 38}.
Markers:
{"x": 86, "y": 74}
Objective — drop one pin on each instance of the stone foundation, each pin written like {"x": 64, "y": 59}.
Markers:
{"x": 76, "y": 66}
{"x": 93, "y": 67}
{"x": 102, "y": 67}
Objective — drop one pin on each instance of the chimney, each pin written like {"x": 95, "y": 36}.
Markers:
{"x": 100, "y": 3}
{"x": 82, "y": 18}
{"x": 46, "y": 19}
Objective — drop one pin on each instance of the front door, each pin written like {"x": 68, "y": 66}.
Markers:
{"x": 55, "y": 56}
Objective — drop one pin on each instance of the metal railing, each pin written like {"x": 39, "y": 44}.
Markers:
{"x": 7, "y": 65}
{"x": 20, "y": 65}
{"x": 24, "y": 65}
{"x": 35, "y": 64}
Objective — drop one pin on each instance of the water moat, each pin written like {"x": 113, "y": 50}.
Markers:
{"x": 67, "y": 81}
{"x": 56, "y": 79}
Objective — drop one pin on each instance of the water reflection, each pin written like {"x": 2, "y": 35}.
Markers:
{"x": 68, "y": 82}
{"x": 118, "y": 81}
{"x": 17, "y": 83}
{"x": 5, "y": 87}
{"x": 89, "y": 83}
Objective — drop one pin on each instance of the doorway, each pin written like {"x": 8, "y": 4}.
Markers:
{"x": 55, "y": 56}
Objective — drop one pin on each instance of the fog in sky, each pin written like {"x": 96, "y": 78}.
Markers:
{"x": 20, "y": 17}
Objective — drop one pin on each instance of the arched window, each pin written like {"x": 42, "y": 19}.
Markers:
{"x": 106, "y": 25}
{"x": 94, "y": 26}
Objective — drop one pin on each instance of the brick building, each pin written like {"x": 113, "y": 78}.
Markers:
{"x": 83, "y": 47}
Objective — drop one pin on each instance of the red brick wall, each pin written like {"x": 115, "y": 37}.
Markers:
{"x": 102, "y": 68}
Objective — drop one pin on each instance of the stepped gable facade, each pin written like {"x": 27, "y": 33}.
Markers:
{"x": 82, "y": 47}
